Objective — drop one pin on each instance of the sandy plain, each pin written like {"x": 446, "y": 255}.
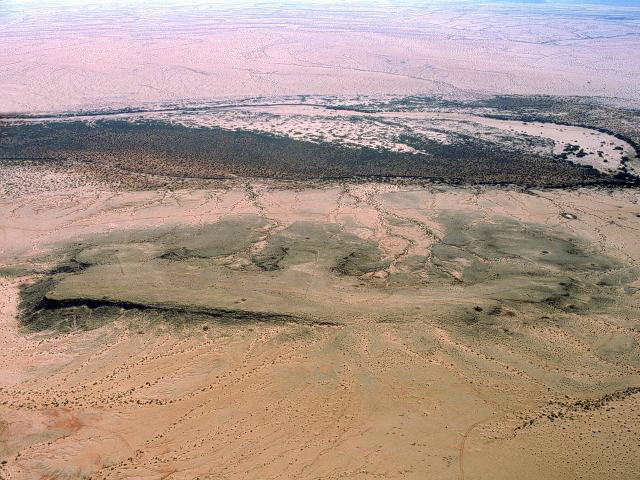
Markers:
{"x": 70, "y": 55}
{"x": 255, "y": 329}
{"x": 317, "y": 245}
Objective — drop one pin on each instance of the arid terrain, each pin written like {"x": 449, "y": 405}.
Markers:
{"x": 73, "y": 54}
{"x": 393, "y": 240}
{"x": 243, "y": 331}
{"x": 188, "y": 298}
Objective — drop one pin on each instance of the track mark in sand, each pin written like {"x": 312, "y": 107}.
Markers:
{"x": 463, "y": 445}
{"x": 371, "y": 200}
{"x": 600, "y": 221}
{"x": 211, "y": 202}
{"x": 421, "y": 226}
{"x": 311, "y": 277}
{"x": 332, "y": 216}
{"x": 269, "y": 230}
{"x": 254, "y": 197}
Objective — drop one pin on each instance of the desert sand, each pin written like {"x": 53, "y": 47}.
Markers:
{"x": 315, "y": 240}
{"x": 248, "y": 330}
{"x": 70, "y": 55}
